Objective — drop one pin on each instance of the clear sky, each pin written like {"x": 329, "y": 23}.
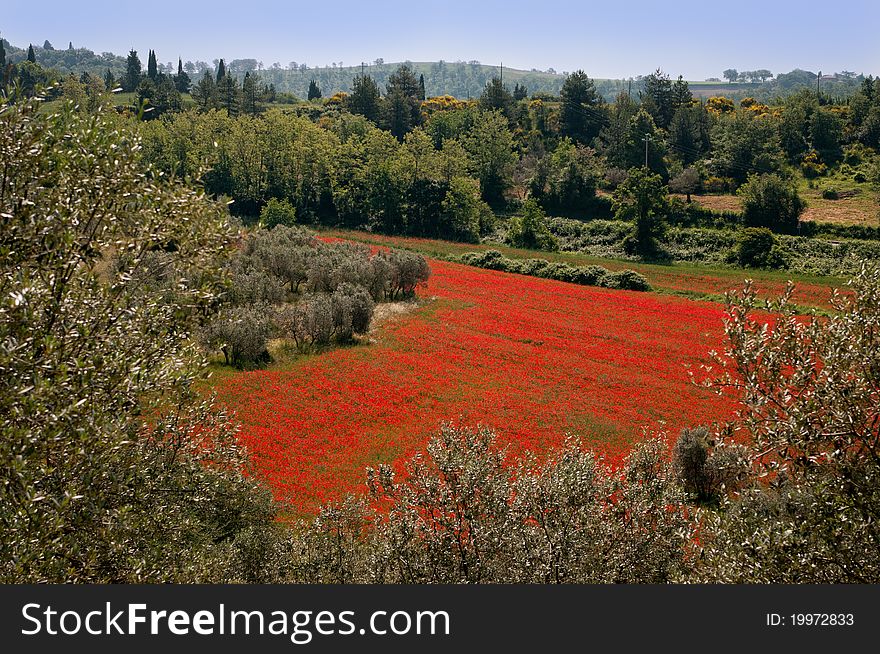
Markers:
{"x": 613, "y": 38}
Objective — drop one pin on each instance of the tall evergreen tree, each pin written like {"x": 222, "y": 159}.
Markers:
{"x": 250, "y": 94}
{"x": 364, "y": 98}
{"x": 133, "y": 72}
{"x": 70, "y": 45}
{"x": 657, "y": 98}
{"x": 398, "y": 114}
{"x": 47, "y": 45}
{"x": 580, "y": 115}
{"x": 182, "y": 81}
{"x": 2, "y": 58}
{"x": 109, "y": 80}
{"x": 221, "y": 71}
{"x": 229, "y": 94}
{"x": 314, "y": 90}
{"x": 152, "y": 66}
{"x": 520, "y": 92}
{"x": 496, "y": 97}
{"x": 681, "y": 94}
{"x": 205, "y": 92}
{"x": 31, "y": 56}
{"x": 421, "y": 87}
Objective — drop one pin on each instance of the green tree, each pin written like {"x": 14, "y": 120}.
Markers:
{"x": 364, "y": 98}
{"x": 314, "y": 91}
{"x": 580, "y": 115}
{"x": 658, "y": 99}
{"x": 221, "y": 71}
{"x": 489, "y": 145}
{"x": 398, "y": 114}
{"x": 31, "y": 56}
{"x": 152, "y": 66}
{"x": 464, "y": 214}
{"x": 643, "y": 199}
{"x": 205, "y": 92}
{"x": 520, "y": 92}
{"x": 229, "y": 94}
{"x": 133, "y": 72}
{"x": 528, "y": 229}
{"x": 182, "y": 81}
{"x": 826, "y": 134}
{"x": 731, "y": 75}
{"x": 109, "y": 80}
{"x": 250, "y": 95}
{"x": 495, "y": 96}
{"x": 770, "y": 201}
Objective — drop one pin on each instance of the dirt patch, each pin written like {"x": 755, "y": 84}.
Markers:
{"x": 386, "y": 312}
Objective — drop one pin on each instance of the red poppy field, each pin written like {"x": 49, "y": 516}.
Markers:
{"x": 532, "y": 358}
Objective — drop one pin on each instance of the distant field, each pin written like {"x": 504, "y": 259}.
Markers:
{"x": 532, "y": 358}
{"x": 860, "y": 209}
{"x": 690, "y": 280}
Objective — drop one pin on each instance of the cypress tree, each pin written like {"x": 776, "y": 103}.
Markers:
{"x": 132, "y": 72}
{"x": 31, "y": 57}
{"x": 109, "y": 80}
{"x": 152, "y": 67}
{"x": 250, "y": 94}
{"x": 70, "y": 45}
{"x": 182, "y": 82}
{"x": 421, "y": 87}
{"x": 2, "y": 57}
{"x": 47, "y": 45}
{"x": 221, "y": 71}
{"x": 314, "y": 91}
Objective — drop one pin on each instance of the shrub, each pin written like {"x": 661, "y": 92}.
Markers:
{"x": 628, "y": 280}
{"x": 459, "y": 516}
{"x": 528, "y": 229}
{"x": 277, "y": 212}
{"x": 772, "y": 202}
{"x": 757, "y": 247}
{"x": 830, "y": 194}
{"x": 241, "y": 333}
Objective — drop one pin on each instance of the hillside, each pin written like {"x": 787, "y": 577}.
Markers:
{"x": 460, "y": 79}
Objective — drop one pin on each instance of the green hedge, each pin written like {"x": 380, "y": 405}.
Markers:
{"x": 584, "y": 275}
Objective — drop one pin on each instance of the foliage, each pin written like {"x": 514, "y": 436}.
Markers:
{"x": 583, "y": 275}
{"x": 277, "y": 212}
{"x": 771, "y": 201}
{"x": 757, "y": 247}
{"x": 642, "y": 198}
{"x": 107, "y": 454}
{"x": 459, "y": 517}
{"x": 809, "y": 389}
{"x": 528, "y": 229}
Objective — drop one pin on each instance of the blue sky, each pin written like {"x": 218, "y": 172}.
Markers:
{"x": 698, "y": 39}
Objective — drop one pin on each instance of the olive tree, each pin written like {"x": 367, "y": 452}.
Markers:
{"x": 810, "y": 388}
{"x": 103, "y": 444}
